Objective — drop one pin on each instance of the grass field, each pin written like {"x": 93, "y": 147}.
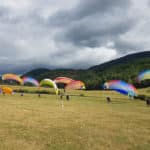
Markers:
{"x": 86, "y": 122}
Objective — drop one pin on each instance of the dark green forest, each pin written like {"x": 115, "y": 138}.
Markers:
{"x": 125, "y": 68}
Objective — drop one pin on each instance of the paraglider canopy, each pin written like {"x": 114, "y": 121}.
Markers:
{"x": 6, "y": 90}
{"x": 64, "y": 80}
{"x": 121, "y": 87}
{"x": 49, "y": 83}
{"x": 144, "y": 75}
{"x": 14, "y": 77}
{"x": 31, "y": 81}
{"x": 75, "y": 85}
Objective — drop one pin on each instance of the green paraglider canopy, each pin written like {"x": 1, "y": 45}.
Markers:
{"x": 49, "y": 83}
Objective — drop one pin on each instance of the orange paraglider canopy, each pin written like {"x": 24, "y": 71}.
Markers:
{"x": 10, "y": 76}
{"x": 7, "y": 90}
{"x": 75, "y": 85}
{"x": 63, "y": 80}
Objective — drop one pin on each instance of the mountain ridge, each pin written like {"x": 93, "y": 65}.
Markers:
{"x": 122, "y": 59}
{"x": 124, "y": 68}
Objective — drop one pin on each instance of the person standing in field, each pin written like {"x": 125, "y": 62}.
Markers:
{"x": 108, "y": 99}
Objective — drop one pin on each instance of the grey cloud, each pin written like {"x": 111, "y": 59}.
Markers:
{"x": 98, "y": 31}
{"x": 93, "y": 23}
{"x": 52, "y": 34}
{"x": 2, "y": 11}
{"x": 88, "y": 8}
{"x": 124, "y": 46}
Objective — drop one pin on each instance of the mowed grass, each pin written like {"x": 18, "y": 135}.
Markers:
{"x": 86, "y": 122}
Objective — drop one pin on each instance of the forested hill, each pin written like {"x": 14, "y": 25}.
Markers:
{"x": 125, "y": 68}
{"x": 123, "y": 60}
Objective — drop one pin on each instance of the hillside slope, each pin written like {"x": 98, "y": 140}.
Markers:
{"x": 126, "y": 68}
{"x": 136, "y": 57}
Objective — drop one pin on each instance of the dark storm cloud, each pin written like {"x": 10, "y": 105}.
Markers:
{"x": 87, "y": 8}
{"x": 93, "y": 23}
{"x": 99, "y": 31}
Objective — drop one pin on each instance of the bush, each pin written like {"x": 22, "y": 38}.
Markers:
{"x": 36, "y": 91}
{"x": 142, "y": 97}
{"x": 82, "y": 95}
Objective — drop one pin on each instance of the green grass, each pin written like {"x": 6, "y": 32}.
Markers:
{"x": 85, "y": 122}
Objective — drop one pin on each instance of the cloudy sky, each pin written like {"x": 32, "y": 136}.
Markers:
{"x": 70, "y": 33}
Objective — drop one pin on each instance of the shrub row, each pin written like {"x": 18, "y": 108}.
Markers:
{"x": 36, "y": 91}
{"x": 142, "y": 97}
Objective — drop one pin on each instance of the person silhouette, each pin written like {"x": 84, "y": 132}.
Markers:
{"x": 148, "y": 102}
{"x": 67, "y": 97}
{"x": 108, "y": 99}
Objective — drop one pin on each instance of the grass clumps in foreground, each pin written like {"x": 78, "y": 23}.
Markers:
{"x": 84, "y": 123}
